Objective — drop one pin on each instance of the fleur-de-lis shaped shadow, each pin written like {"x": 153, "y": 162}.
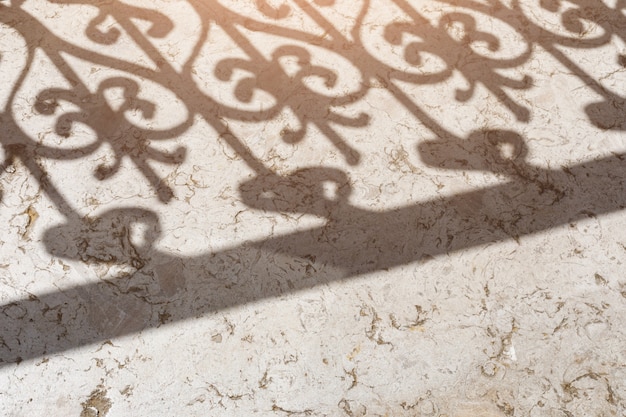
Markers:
{"x": 292, "y": 91}
{"x": 459, "y": 55}
{"x": 160, "y": 24}
{"x": 112, "y": 127}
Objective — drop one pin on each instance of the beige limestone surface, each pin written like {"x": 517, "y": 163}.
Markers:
{"x": 313, "y": 208}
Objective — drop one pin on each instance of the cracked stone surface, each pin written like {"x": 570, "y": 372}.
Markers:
{"x": 313, "y": 208}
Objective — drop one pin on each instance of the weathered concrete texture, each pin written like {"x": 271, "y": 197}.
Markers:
{"x": 313, "y": 208}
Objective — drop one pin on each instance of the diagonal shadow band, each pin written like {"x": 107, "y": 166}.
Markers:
{"x": 163, "y": 288}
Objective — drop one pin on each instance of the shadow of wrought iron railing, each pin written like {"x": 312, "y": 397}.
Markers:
{"x": 352, "y": 240}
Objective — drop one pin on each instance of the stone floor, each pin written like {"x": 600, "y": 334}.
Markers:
{"x": 313, "y": 208}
